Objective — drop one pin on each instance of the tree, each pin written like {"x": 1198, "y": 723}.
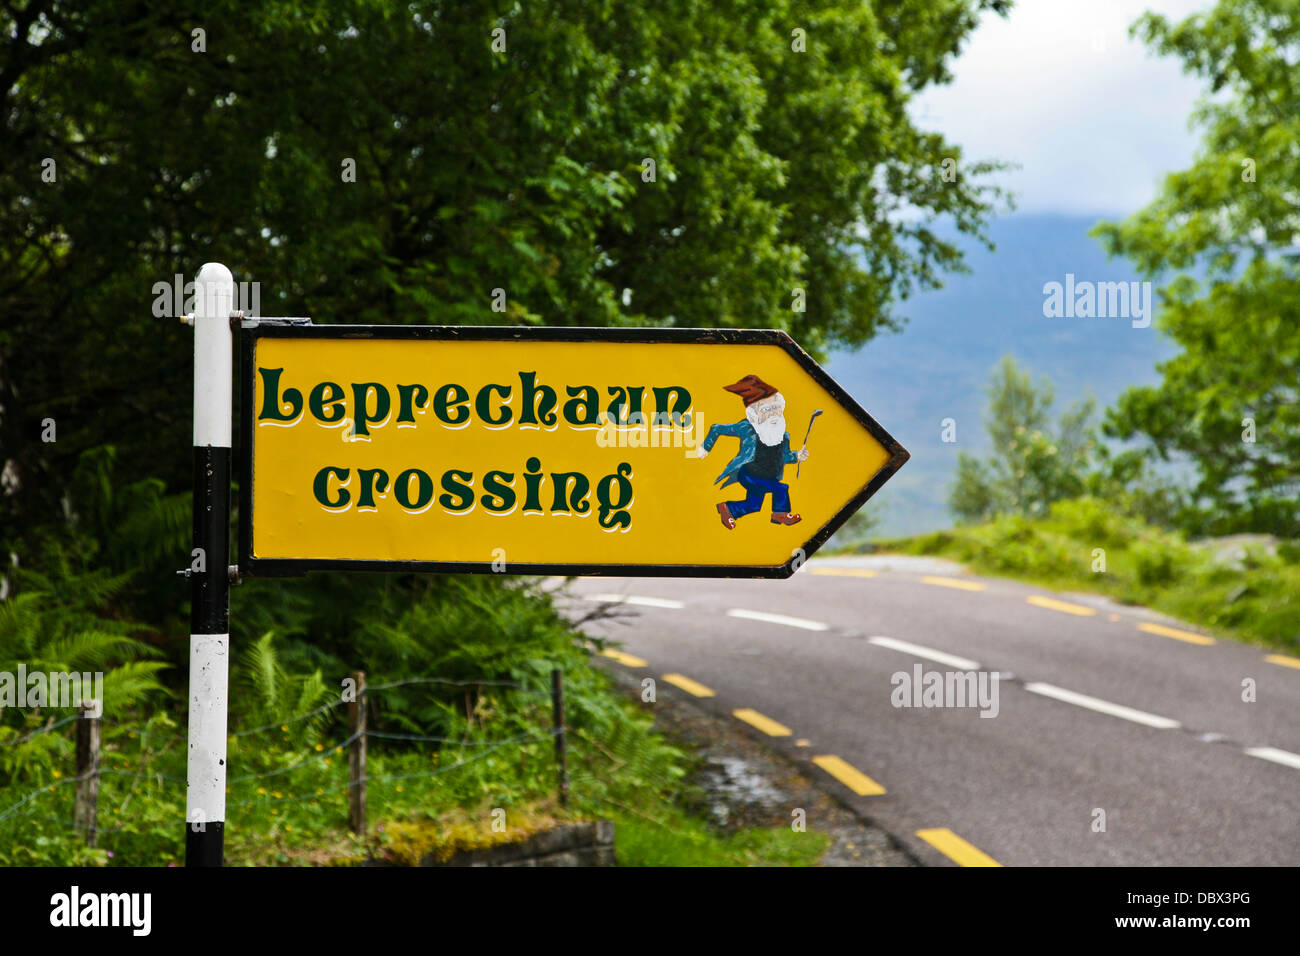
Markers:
{"x": 374, "y": 162}
{"x": 1230, "y": 401}
{"x": 1033, "y": 463}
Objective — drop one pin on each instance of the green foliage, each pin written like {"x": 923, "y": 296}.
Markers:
{"x": 1032, "y": 464}
{"x": 775, "y": 170}
{"x": 1256, "y": 598}
{"x": 687, "y": 842}
{"x": 65, "y": 634}
{"x": 1134, "y": 487}
{"x": 1095, "y": 519}
{"x": 286, "y": 799}
{"x": 267, "y": 694}
{"x": 457, "y": 629}
{"x": 113, "y": 545}
{"x": 1154, "y": 564}
{"x": 1239, "y": 330}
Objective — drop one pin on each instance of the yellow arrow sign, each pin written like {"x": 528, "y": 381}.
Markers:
{"x": 615, "y": 451}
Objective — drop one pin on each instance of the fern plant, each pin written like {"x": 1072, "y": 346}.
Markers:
{"x": 66, "y": 635}
{"x": 271, "y": 705}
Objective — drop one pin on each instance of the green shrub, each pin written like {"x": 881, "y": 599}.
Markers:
{"x": 1091, "y": 519}
{"x": 1155, "y": 563}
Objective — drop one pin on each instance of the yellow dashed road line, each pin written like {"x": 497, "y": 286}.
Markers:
{"x": 1063, "y": 606}
{"x": 765, "y": 724}
{"x": 627, "y": 660}
{"x": 955, "y": 848}
{"x": 953, "y": 583}
{"x": 845, "y": 572}
{"x": 1283, "y": 660}
{"x": 688, "y": 685}
{"x": 1175, "y": 633}
{"x": 849, "y": 775}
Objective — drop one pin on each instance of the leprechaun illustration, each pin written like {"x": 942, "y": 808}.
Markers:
{"x": 764, "y": 453}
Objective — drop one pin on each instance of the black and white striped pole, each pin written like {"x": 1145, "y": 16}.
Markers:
{"x": 205, "y": 798}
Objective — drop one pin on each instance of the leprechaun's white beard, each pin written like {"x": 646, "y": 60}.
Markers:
{"x": 771, "y": 431}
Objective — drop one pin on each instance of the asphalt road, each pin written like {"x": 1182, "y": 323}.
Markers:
{"x": 1106, "y": 716}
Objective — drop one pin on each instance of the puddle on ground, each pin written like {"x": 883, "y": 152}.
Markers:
{"x": 737, "y": 794}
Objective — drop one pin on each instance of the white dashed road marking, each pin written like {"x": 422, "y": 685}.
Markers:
{"x": 1284, "y": 757}
{"x": 637, "y": 600}
{"x": 916, "y": 650}
{"x": 1103, "y": 706}
{"x": 804, "y": 623}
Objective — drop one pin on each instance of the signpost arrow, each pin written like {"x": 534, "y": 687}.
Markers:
{"x": 508, "y": 450}
{"x": 544, "y": 450}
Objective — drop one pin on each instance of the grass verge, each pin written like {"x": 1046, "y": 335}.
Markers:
{"x": 1247, "y": 591}
{"x": 286, "y": 802}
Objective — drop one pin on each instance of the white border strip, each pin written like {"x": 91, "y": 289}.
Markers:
{"x": 205, "y": 801}
{"x": 214, "y": 295}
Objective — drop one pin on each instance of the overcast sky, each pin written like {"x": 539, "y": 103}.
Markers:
{"x": 1059, "y": 87}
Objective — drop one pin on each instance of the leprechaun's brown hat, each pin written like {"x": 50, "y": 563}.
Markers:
{"x": 752, "y": 389}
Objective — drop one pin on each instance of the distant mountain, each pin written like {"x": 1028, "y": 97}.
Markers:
{"x": 939, "y": 365}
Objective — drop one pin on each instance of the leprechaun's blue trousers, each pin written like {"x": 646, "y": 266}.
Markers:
{"x": 756, "y": 490}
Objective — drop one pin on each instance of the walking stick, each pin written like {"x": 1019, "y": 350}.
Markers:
{"x": 799, "y": 467}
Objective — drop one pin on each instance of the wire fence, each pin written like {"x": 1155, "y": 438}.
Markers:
{"x": 89, "y": 769}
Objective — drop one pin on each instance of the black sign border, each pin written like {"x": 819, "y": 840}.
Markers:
{"x": 289, "y": 567}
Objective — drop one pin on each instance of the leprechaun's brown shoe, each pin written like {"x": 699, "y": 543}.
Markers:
{"x": 784, "y": 517}
{"x": 728, "y": 522}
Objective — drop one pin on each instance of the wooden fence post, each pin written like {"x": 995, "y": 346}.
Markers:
{"x": 561, "y": 748}
{"x": 85, "y": 812}
{"x": 357, "y": 756}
